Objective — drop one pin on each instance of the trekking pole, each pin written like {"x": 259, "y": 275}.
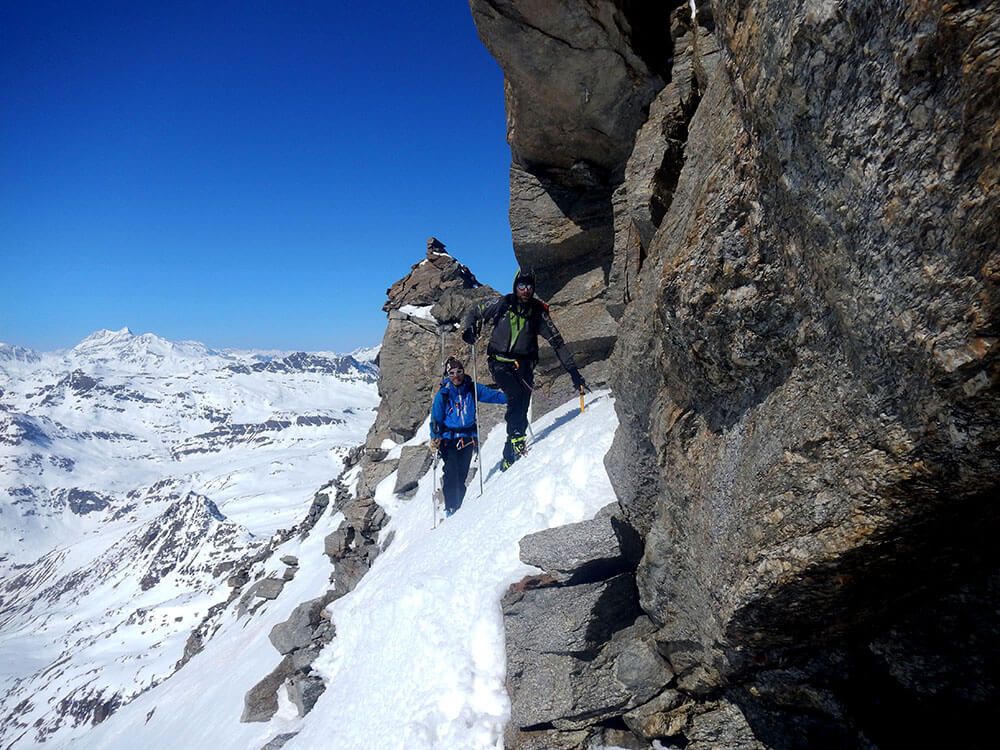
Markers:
{"x": 434, "y": 504}
{"x": 475, "y": 394}
{"x": 531, "y": 432}
{"x": 437, "y": 454}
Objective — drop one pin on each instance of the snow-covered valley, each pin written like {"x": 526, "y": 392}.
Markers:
{"x": 135, "y": 473}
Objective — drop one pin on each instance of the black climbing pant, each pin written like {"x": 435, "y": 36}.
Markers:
{"x": 516, "y": 380}
{"x": 457, "y": 456}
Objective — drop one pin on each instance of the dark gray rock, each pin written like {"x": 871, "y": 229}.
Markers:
{"x": 374, "y": 472}
{"x": 266, "y": 588}
{"x": 654, "y": 719}
{"x": 278, "y": 742}
{"x": 302, "y": 658}
{"x": 454, "y": 303}
{"x": 304, "y": 690}
{"x": 238, "y": 579}
{"x": 589, "y": 550}
{"x": 570, "y": 619}
{"x": 587, "y": 107}
{"x": 263, "y": 590}
{"x": 414, "y": 461}
{"x": 336, "y": 543}
{"x": 290, "y": 560}
{"x": 797, "y": 239}
{"x": 428, "y": 279}
{"x": 651, "y": 172}
{"x": 546, "y": 739}
{"x": 261, "y": 701}
{"x": 723, "y": 725}
{"x": 571, "y": 128}
{"x": 297, "y": 631}
{"x": 576, "y": 655}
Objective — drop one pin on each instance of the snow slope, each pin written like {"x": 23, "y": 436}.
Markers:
{"x": 418, "y": 659}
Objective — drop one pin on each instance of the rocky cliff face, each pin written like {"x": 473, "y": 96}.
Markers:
{"x": 785, "y": 218}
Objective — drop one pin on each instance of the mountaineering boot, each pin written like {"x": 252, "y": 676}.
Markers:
{"x": 516, "y": 447}
{"x": 520, "y": 445}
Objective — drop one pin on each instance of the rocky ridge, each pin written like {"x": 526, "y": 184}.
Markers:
{"x": 424, "y": 308}
{"x": 787, "y": 214}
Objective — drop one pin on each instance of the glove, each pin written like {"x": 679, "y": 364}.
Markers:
{"x": 578, "y": 381}
{"x": 435, "y": 444}
{"x": 469, "y": 336}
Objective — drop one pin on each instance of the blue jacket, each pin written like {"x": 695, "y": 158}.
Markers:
{"x": 453, "y": 414}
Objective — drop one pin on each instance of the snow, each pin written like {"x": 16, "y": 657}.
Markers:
{"x": 367, "y": 354}
{"x": 421, "y": 637}
{"x": 75, "y": 617}
{"x": 423, "y": 312}
{"x": 418, "y": 660}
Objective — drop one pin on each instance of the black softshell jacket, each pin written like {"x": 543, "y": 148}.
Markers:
{"x": 525, "y": 347}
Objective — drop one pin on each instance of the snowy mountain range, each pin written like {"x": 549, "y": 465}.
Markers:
{"x": 135, "y": 472}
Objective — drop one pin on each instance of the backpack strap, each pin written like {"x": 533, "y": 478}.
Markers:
{"x": 501, "y": 310}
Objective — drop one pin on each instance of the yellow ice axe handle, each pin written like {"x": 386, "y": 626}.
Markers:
{"x": 582, "y": 407}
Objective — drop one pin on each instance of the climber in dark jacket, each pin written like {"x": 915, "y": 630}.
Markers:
{"x": 517, "y": 320}
{"x": 453, "y": 428}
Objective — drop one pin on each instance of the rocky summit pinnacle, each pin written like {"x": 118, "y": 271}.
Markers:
{"x": 429, "y": 279}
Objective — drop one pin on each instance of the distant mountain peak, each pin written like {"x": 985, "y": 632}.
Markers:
{"x": 106, "y": 336}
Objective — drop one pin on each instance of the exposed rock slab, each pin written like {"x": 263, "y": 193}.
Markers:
{"x": 414, "y": 462}
{"x": 586, "y": 551}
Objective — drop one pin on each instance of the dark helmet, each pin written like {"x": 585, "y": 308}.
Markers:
{"x": 523, "y": 276}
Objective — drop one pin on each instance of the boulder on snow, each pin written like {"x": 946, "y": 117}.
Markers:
{"x": 261, "y": 701}
{"x": 297, "y": 631}
{"x": 339, "y": 541}
{"x": 414, "y": 461}
{"x": 277, "y": 742}
{"x": 373, "y": 473}
{"x": 304, "y": 690}
{"x": 267, "y": 588}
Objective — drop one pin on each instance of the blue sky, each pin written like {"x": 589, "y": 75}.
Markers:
{"x": 246, "y": 174}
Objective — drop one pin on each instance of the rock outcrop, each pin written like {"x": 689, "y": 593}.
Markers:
{"x": 788, "y": 214}
{"x": 423, "y": 308}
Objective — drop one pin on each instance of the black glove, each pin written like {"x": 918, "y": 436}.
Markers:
{"x": 578, "y": 381}
{"x": 469, "y": 336}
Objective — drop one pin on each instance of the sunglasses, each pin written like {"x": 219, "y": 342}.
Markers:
{"x": 456, "y": 371}
{"x": 523, "y": 286}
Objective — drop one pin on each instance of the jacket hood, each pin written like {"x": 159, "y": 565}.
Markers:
{"x": 522, "y": 275}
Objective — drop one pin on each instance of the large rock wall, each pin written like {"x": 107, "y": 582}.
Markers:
{"x": 579, "y": 80}
{"x": 802, "y": 260}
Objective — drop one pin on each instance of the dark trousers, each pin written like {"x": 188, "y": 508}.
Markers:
{"x": 516, "y": 382}
{"x": 456, "y": 470}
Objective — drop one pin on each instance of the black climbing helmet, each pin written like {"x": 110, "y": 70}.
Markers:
{"x": 523, "y": 276}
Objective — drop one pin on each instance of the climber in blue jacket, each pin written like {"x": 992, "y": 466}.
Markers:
{"x": 453, "y": 428}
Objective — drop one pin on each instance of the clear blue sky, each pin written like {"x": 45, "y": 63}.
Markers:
{"x": 246, "y": 174}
